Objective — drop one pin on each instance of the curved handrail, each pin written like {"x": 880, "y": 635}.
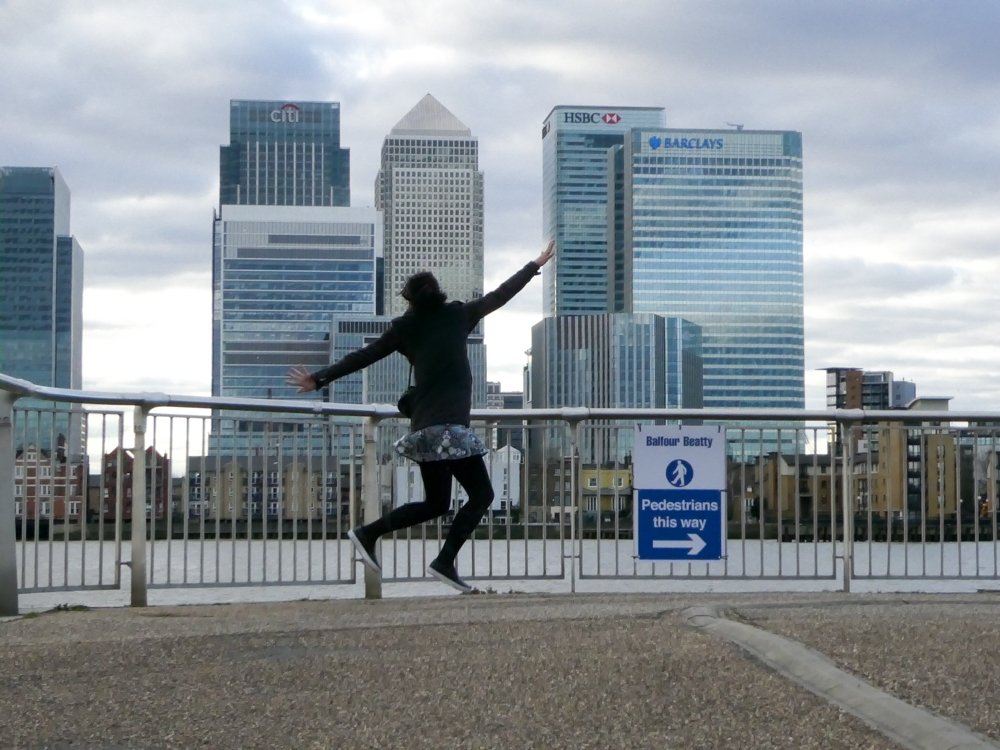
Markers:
{"x": 151, "y": 400}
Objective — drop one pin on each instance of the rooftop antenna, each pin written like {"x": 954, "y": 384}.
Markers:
{"x": 734, "y": 125}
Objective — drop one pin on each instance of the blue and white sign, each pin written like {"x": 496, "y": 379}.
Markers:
{"x": 679, "y": 479}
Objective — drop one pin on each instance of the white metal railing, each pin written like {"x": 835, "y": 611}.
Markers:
{"x": 239, "y": 498}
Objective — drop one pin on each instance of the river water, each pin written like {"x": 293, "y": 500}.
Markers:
{"x": 224, "y": 571}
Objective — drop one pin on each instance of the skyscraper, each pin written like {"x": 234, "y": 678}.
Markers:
{"x": 615, "y": 361}
{"x": 284, "y": 154}
{"x": 712, "y": 225}
{"x": 575, "y": 203}
{"x": 41, "y": 299}
{"x": 288, "y": 252}
{"x": 430, "y": 191}
{"x": 281, "y": 273}
{"x": 41, "y": 280}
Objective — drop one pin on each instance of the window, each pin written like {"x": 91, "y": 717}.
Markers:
{"x": 272, "y": 509}
{"x": 591, "y": 482}
{"x": 74, "y": 508}
{"x": 46, "y": 507}
{"x": 18, "y": 472}
{"x": 45, "y": 490}
{"x": 46, "y": 472}
{"x": 619, "y": 481}
{"x": 18, "y": 508}
{"x": 18, "y": 490}
{"x": 591, "y": 504}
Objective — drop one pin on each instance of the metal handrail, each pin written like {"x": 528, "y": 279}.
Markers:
{"x": 23, "y": 388}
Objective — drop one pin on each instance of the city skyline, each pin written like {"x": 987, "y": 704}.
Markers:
{"x": 900, "y": 237}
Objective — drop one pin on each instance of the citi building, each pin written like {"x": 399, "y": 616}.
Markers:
{"x": 289, "y": 253}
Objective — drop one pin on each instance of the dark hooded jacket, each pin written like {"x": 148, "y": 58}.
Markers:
{"x": 433, "y": 339}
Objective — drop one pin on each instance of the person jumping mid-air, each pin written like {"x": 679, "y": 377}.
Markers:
{"x": 432, "y": 335}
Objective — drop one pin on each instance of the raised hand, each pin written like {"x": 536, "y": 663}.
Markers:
{"x": 299, "y": 377}
{"x": 542, "y": 259}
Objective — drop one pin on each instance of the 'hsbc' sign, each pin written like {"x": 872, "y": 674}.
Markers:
{"x": 608, "y": 118}
{"x": 287, "y": 113}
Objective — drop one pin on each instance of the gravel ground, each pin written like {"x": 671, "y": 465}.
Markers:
{"x": 942, "y": 654}
{"x": 457, "y": 672}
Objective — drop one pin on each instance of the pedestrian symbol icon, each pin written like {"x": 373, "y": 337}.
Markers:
{"x": 679, "y": 473}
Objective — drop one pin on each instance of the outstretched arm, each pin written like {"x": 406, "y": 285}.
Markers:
{"x": 500, "y": 296}
{"x": 304, "y": 381}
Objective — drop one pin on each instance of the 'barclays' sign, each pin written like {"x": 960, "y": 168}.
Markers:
{"x": 694, "y": 143}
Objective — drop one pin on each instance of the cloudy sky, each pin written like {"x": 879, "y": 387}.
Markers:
{"x": 898, "y": 103}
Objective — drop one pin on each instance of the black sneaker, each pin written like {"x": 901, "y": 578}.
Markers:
{"x": 365, "y": 547}
{"x": 448, "y": 574}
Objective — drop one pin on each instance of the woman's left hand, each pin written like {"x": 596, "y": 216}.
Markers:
{"x": 299, "y": 377}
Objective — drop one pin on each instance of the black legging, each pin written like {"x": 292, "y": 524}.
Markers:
{"x": 472, "y": 475}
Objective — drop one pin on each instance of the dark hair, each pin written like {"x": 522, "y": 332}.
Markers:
{"x": 423, "y": 291}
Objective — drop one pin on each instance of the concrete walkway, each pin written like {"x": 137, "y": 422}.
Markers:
{"x": 629, "y": 671}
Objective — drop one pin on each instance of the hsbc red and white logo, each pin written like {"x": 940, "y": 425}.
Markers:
{"x": 287, "y": 113}
{"x": 587, "y": 118}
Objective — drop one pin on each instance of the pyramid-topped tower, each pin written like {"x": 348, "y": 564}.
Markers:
{"x": 430, "y": 117}
{"x": 430, "y": 191}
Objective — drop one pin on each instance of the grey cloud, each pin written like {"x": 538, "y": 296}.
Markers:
{"x": 853, "y": 280}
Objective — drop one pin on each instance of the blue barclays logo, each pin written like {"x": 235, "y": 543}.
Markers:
{"x": 714, "y": 143}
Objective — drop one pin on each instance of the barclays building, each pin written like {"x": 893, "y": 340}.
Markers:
{"x": 712, "y": 232}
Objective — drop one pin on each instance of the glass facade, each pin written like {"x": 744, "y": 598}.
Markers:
{"x": 430, "y": 191}
{"x": 575, "y": 211}
{"x": 284, "y": 154}
{"x": 41, "y": 280}
{"x": 713, "y": 234}
{"x": 280, "y": 274}
{"x": 615, "y": 361}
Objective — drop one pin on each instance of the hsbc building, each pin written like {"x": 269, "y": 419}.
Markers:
{"x": 577, "y": 141}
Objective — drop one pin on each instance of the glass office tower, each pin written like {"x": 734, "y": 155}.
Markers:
{"x": 41, "y": 280}
{"x": 41, "y": 289}
{"x": 575, "y": 143}
{"x": 615, "y": 361}
{"x": 713, "y": 233}
{"x": 284, "y": 154}
{"x": 280, "y": 274}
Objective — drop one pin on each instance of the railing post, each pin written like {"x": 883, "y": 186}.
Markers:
{"x": 138, "y": 563}
{"x": 371, "y": 479}
{"x": 848, "y": 525}
{"x": 8, "y": 543}
{"x": 576, "y": 517}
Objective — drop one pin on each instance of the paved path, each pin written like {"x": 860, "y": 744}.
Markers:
{"x": 623, "y": 671}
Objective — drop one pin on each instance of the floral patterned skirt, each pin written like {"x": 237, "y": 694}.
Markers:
{"x": 440, "y": 442}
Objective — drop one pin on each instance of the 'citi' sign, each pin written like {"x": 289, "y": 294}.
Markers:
{"x": 287, "y": 113}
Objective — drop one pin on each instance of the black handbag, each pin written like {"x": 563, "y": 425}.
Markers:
{"x": 405, "y": 403}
